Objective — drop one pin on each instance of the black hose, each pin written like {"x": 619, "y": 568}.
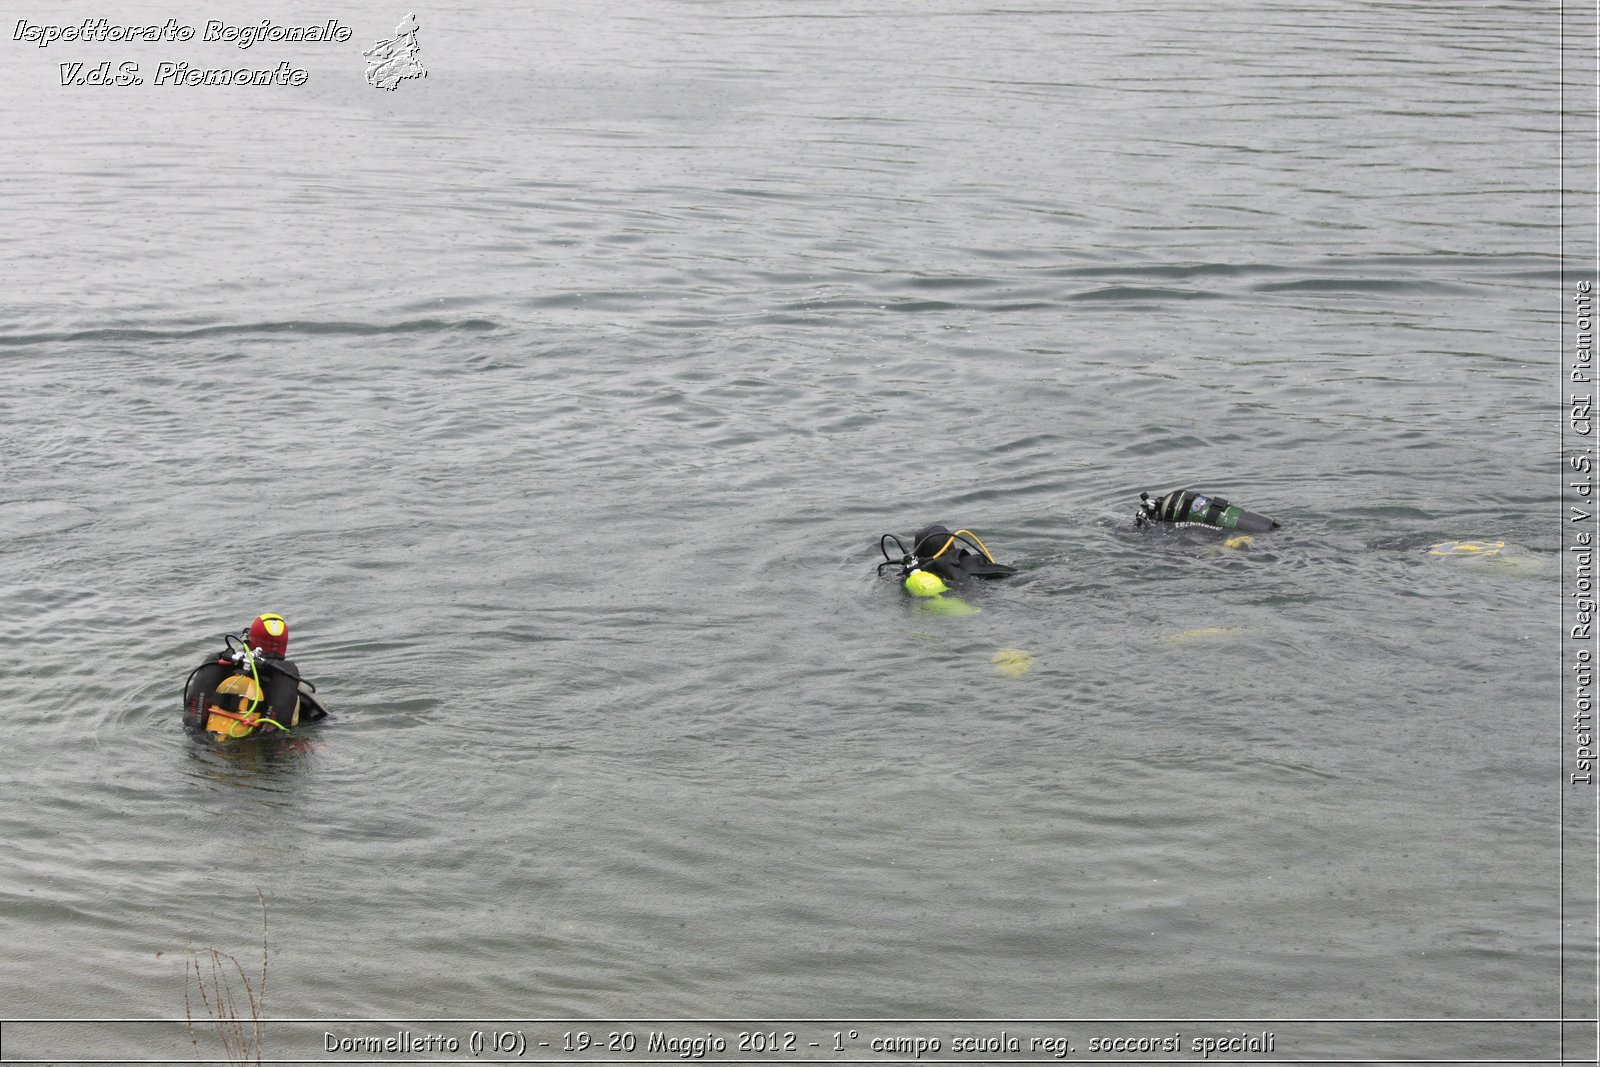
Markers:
{"x": 264, "y": 662}
{"x": 186, "y": 682}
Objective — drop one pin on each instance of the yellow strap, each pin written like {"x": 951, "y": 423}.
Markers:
{"x": 974, "y": 536}
{"x": 952, "y": 541}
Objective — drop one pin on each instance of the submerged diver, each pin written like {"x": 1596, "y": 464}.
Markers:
{"x": 939, "y": 560}
{"x": 1187, "y": 508}
{"x": 250, "y": 687}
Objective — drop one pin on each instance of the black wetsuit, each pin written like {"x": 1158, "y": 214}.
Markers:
{"x": 955, "y": 562}
{"x": 280, "y": 684}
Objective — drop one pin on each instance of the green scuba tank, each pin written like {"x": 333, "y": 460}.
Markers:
{"x": 1185, "y": 507}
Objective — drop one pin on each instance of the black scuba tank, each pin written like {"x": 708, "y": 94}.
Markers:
{"x": 1186, "y": 507}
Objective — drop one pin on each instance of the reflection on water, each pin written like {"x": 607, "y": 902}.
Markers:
{"x": 275, "y": 766}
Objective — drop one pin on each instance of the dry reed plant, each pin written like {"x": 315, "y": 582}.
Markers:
{"x": 217, "y": 984}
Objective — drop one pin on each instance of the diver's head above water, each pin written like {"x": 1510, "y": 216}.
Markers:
{"x": 269, "y": 634}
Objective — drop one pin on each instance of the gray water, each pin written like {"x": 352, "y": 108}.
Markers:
{"x": 559, "y": 400}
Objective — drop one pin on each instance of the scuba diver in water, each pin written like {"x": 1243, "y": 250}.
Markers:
{"x": 1185, "y": 508}
{"x": 1188, "y": 509}
{"x": 939, "y": 560}
{"x": 250, "y": 687}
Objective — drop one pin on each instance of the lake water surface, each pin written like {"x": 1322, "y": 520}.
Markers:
{"x": 559, "y": 400}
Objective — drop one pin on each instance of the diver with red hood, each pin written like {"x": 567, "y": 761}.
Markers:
{"x": 250, "y": 687}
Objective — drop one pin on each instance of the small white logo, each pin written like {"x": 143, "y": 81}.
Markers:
{"x": 393, "y": 61}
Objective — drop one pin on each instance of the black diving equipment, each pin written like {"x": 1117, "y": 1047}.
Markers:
{"x": 935, "y": 550}
{"x": 239, "y": 693}
{"x": 1186, "y": 507}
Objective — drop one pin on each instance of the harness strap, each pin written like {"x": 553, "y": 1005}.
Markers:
{"x": 262, "y": 721}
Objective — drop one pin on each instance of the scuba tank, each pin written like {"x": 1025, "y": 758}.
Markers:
{"x": 939, "y": 559}
{"x": 1185, "y": 507}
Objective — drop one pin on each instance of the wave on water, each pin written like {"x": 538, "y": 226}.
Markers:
{"x": 294, "y": 326}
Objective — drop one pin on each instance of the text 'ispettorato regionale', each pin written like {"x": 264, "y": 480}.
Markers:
{"x": 213, "y": 31}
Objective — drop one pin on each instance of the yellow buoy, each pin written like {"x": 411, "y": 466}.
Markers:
{"x": 925, "y": 583}
{"x": 1202, "y": 633}
{"x": 1466, "y": 548}
{"x": 1012, "y": 662}
{"x": 947, "y": 605}
{"x": 1491, "y": 557}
